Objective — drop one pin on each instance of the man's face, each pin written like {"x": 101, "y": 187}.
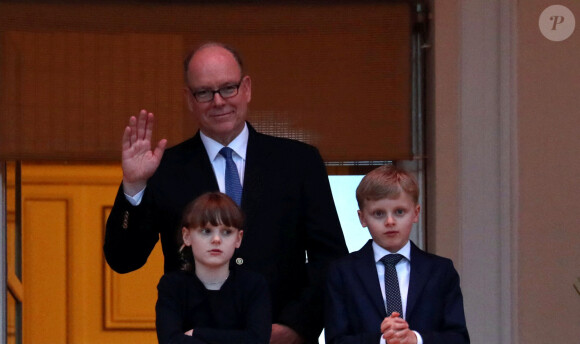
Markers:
{"x": 212, "y": 68}
{"x": 390, "y": 220}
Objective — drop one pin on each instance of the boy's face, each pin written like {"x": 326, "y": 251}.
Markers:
{"x": 212, "y": 246}
{"x": 390, "y": 220}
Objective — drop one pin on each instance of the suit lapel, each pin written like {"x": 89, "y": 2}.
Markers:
{"x": 420, "y": 274}
{"x": 367, "y": 273}
{"x": 254, "y": 176}
{"x": 197, "y": 166}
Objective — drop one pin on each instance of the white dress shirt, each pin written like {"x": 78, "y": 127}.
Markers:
{"x": 239, "y": 145}
{"x": 403, "y": 268}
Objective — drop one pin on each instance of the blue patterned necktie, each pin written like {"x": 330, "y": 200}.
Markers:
{"x": 392, "y": 291}
{"x": 233, "y": 185}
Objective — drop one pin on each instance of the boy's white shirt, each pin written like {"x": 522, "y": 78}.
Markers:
{"x": 403, "y": 273}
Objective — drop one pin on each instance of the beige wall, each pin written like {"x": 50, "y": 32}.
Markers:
{"x": 549, "y": 178}
{"x": 504, "y": 194}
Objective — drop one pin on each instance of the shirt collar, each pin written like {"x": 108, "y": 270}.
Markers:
{"x": 380, "y": 252}
{"x": 239, "y": 145}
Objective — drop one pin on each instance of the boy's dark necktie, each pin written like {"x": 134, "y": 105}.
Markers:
{"x": 233, "y": 185}
{"x": 392, "y": 291}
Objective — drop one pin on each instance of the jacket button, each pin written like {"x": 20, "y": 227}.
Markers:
{"x": 126, "y": 220}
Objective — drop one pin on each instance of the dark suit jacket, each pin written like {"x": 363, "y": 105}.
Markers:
{"x": 237, "y": 313}
{"x": 288, "y": 207}
{"x": 355, "y": 306}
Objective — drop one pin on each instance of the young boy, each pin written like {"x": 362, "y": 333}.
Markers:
{"x": 409, "y": 296}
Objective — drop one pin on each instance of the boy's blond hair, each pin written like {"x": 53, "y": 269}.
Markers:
{"x": 387, "y": 181}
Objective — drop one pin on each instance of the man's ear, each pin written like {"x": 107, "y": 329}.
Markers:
{"x": 185, "y": 236}
{"x": 361, "y": 218}
{"x": 188, "y": 98}
{"x": 247, "y": 85}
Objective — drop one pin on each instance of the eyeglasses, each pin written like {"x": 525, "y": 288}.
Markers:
{"x": 204, "y": 96}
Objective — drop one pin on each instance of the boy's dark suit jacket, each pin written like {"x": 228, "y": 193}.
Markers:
{"x": 288, "y": 207}
{"x": 355, "y": 306}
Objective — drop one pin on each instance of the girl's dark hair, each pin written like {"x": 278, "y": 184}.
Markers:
{"x": 213, "y": 208}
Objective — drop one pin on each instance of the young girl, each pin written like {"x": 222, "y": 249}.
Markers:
{"x": 210, "y": 300}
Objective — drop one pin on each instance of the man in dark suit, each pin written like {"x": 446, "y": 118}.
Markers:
{"x": 421, "y": 304}
{"x": 285, "y": 194}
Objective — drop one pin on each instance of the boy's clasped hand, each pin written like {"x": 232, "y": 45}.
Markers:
{"x": 396, "y": 330}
